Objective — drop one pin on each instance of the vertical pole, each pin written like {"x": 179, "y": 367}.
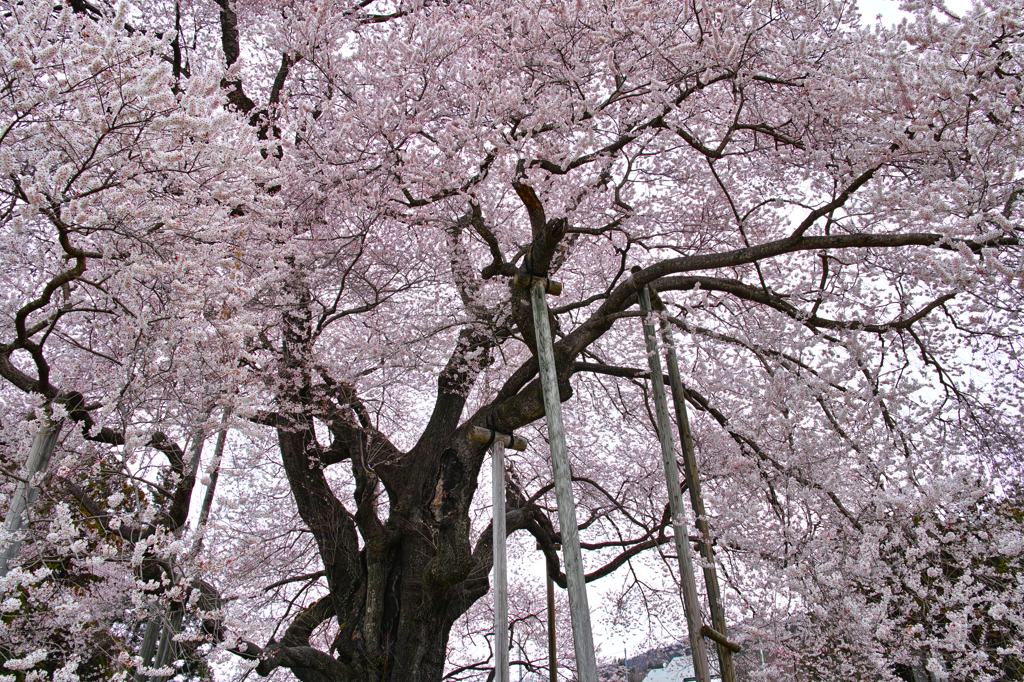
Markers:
{"x": 919, "y": 672}
{"x": 501, "y": 673}
{"x": 579, "y": 609}
{"x": 675, "y": 499}
{"x": 725, "y": 662}
{"x": 552, "y": 647}
{"x": 211, "y": 488}
{"x": 26, "y": 492}
{"x": 167, "y": 645}
{"x": 149, "y": 641}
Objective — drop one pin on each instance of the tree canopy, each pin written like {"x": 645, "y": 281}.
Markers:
{"x": 258, "y": 261}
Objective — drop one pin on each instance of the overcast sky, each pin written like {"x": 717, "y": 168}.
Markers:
{"x": 891, "y": 13}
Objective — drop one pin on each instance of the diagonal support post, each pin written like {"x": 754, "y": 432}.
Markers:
{"x": 26, "y": 492}
{"x": 691, "y": 601}
{"x": 725, "y": 648}
{"x": 579, "y": 609}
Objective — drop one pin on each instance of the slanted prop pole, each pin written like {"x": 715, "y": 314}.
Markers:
{"x": 691, "y": 601}
{"x": 579, "y": 609}
{"x": 149, "y": 641}
{"x": 725, "y": 648}
{"x": 27, "y": 491}
{"x": 167, "y": 644}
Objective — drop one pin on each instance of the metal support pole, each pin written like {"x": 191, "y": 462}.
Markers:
{"x": 725, "y": 652}
{"x": 579, "y": 609}
{"x": 691, "y": 601}
{"x": 26, "y": 492}
{"x": 500, "y": 576}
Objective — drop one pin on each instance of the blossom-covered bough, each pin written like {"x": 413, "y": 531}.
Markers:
{"x": 298, "y": 223}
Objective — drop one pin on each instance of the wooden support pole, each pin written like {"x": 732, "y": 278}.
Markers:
{"x": 691, "y": 601}
{"x": 149, "y": 642}
{"x": 167, "y": 644}
{"x": 500, "y": 576}
{"x": 579, "y": 609}
{"x": 726, "y": 665}
{"x": 26, "y": 492}
{"x": 211, "y": 487}
{"x": 552, "y": 644}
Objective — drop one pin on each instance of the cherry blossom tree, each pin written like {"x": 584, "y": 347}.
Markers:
{"x": 299, "y": 224}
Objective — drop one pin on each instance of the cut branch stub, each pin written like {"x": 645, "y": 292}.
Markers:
{"x": 716, "y": 636}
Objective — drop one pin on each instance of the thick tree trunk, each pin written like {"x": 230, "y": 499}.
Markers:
{"x": 396, "y": 584}
{"x": 396, "y": 598}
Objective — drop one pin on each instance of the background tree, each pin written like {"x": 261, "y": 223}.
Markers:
{"x": 299, "y": 222}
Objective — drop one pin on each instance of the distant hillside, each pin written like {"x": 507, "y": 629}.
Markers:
{"x": 656, "y": 658}
{"x": 641, "y": 664}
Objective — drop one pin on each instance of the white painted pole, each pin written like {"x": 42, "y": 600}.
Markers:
{"x": 691, "y": 601}
{"x": 26, "y": 492}
{"x": 501, "y": 673}
{"x": 579, "y": 609}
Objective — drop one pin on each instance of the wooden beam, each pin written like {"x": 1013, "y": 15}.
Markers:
{"x": 526, "y": 281}
{"x": 579, "y": 609}
{"x": 481, "y": 435}
{"x": 691, "y": 601}
{"x": 718, "y": 637}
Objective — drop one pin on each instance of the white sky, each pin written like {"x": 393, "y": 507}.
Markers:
{"x": 892, "y": 14}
